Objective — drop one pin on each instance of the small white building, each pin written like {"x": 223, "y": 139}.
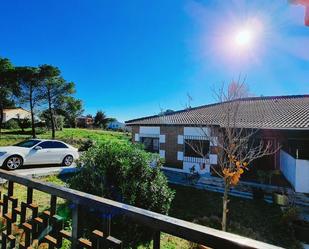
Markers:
{"x": 15, "y": 113}
{"x": 116, "y": 125}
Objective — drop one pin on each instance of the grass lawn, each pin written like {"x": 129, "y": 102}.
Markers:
{"x": 41, "y": 199}
{"x": 70, "y": 135}
{"x": 254, "y": 219}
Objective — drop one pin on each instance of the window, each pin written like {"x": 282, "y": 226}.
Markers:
{"x": 52, "y": 145}
{"x": 151, "y": 144}
{"x": 46, "y": 145}
{"x": 28, "y": 143}
{"x": 59, "y": 145}
{"x": 196, "y": 148}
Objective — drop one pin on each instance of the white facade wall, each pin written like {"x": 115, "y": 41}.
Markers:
{"x": 302, "y": 176}
{"x": 296, "y": 171}
{"x": 136, "y": 137}
{"x": 196, "y": 131}
{"x": 201, "y": 165}
{"x": 288, "y": 166}
{"x": 15, "y": 113}
{"x": 162, "y": 139}
{"x": 149, "y": 130}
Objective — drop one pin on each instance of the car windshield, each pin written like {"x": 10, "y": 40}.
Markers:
{"x": 27, "y": 144}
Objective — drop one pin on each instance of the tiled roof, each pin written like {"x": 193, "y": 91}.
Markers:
{"x": 276, "y": 112}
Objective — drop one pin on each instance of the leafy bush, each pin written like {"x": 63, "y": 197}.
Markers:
{"x": 120, "y": 171}
{"x": 11, "y": 124}
{"x": 86, "y": 145}
{"x": 24, "y": 123}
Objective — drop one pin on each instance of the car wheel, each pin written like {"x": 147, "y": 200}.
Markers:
{"x": 68, "y": 160}
{"x": 13, "y": 162}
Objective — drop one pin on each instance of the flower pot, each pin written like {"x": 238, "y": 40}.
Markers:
{"x": 301, "y": 229}
{"x": 280, "y": 199}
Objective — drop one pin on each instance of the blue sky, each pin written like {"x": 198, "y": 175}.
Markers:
{"x": 131, "y": 58}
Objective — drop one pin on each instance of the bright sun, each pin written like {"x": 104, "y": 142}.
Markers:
{"x": 244, "y": 38}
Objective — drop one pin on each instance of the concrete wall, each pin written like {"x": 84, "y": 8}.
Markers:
{"x": 302, "y": 176}
{"x": 288, "y": 166}
{"x": 296, "y": 171}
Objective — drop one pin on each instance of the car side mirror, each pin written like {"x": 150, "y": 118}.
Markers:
{"x": 37, "y": 147}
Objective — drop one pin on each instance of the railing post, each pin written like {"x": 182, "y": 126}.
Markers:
{"x": 107, "y": 225}
{"x": 53, "y": 205}
{"x": 10, "y": 188}
{"x": 156, "y": 240}
{"x": 76, "y": 226}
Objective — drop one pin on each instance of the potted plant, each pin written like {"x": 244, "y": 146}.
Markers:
{"x": 280, "y": 197}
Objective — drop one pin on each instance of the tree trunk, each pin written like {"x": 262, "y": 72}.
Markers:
{"x": 51, "y": 115}
{"x": 225, "y": 205}
{"x": 1, "y": 117}
{"x": 32, "y": 114}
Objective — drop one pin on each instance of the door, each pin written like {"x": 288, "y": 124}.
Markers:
{"x": 48, "y": 153}
{"x": 58, "y": 151}
{"x": 39, "y": 154}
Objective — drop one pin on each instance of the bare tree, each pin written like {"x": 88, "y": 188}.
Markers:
{"x": 236, "y": 145}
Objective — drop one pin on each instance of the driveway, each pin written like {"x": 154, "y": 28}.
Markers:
{"x": 45, "y": 171}
{"x": 40, "y": 171}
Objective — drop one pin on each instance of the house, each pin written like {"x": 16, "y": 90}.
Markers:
{"x": 84, "y": 122}
{"x": 282, "y": 119}
{"x": 116, "y": 125}
{"x": 15, "y": 113}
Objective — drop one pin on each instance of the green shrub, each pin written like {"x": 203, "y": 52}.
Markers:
{"x": 11, "y": 124}
{"x": 120, "y": 171}
{"x": 86, "y": 145}
{"x": 24, "y": 124}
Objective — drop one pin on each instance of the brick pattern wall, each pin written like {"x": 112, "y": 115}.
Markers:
{"x": 135, "y": 130}
{"x": 171, "y": 145}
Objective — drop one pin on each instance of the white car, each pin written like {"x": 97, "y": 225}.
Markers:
{"x": 37, "y": 152}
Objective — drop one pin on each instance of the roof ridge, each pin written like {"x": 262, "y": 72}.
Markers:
{"x": 219, "y": 103}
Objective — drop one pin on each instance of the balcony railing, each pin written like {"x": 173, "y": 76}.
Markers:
{"x": 50, "y": 225}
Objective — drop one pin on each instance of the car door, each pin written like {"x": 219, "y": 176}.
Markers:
{"x": 59, "y": 151}
{"x": 40, "y": 154}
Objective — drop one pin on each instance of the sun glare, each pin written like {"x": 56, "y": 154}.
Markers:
{"x": 244, "y": 38}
